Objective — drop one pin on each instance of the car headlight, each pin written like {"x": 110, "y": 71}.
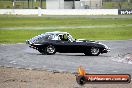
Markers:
{"x": 106, "y": 46}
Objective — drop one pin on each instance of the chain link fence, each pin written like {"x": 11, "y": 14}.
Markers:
{"x": 22, "y": 4}
{"x": 117, "y": 4}
{"x": 34, "y": 4}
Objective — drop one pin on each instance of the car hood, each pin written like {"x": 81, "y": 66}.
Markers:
{"x": 92, "y": 41}
{"x": 84, "y": 40}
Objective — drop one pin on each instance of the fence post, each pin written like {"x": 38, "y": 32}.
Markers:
{"x": 32, "y": 4}
{"x": 14, "y": 5}
{"x": 28, "y": 4}
{"x": 40, "y": 3}
{"x": 73, "y": 4}
{"x": 39, "y": 11}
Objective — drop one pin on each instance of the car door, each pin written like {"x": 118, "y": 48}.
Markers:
{"x": 70, "y": 47}
{"x": 63, "y": 46}
{"x": 78, "y": 47}
{"x": 66, "y": 46}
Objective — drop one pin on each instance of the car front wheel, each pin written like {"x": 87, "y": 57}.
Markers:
{"x": 94, "y": 51}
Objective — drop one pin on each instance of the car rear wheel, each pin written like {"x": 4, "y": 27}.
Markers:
{"x": 42, "y": 51}
{"x": 50, "y": 50}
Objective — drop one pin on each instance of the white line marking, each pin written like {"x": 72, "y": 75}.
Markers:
{"x": 64, "y": 27}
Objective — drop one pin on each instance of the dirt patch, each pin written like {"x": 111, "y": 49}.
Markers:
{"x": 20, "y": 78}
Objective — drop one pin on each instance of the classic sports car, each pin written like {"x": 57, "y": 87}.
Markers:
{"x": 51, "y": 42}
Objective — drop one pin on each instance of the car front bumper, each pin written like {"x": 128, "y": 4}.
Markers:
{"x": 105, "y": 50}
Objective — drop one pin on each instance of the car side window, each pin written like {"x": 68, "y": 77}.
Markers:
{"x": 60, "y": 37}
{"x": 63, "y": 37}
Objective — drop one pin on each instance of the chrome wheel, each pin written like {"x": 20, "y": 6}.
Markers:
{"x": 95, "y": 51}
{"x": 50, "y": 49}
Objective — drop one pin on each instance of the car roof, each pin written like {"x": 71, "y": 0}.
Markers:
{"x": 56, "y": 32}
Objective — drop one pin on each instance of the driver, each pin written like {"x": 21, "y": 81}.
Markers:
{"x": 65, "y": 37}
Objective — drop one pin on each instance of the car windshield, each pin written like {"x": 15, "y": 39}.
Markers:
{"x": 65, "y": 37}
{"x": 71, "y": 38}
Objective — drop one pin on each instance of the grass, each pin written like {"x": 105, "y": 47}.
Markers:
{"x": 118, "y": 31}
{"x": 19, "y": 21}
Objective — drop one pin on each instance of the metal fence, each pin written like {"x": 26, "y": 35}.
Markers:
{"x": 34, "y": 4}
{"x": 117, "y": 4}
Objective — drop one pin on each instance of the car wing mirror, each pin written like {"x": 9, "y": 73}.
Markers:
{"x": 75, "y": 40}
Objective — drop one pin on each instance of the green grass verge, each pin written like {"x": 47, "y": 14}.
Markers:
{"x": 118, "y": 31}
{"x": 19, "y": 21}
{"x": 17, "y": 36}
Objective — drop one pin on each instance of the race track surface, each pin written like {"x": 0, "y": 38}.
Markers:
{"x": 119, "y": 60}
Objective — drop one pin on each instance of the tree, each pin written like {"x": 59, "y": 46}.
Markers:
{"x": 129, "y": 1}
{"x": 120, "y": 5}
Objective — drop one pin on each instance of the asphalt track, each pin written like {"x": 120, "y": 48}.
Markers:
{"x": 119, "y": 60}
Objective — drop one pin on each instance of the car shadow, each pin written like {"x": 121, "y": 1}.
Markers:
{"x": 70, "y": 54}
{"x": 78, "y": 55}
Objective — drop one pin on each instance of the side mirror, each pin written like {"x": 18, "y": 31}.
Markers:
{"x": 75, "y": 40}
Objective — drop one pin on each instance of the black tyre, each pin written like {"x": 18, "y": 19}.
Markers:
{"x": 49, "y": 50}
{"x": 81, "y": 80}
{"x": 94, "y": 51}
{"x": 42, "y": 51}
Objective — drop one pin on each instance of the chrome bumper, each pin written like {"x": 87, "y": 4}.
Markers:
{"x": 106, "y": 50}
